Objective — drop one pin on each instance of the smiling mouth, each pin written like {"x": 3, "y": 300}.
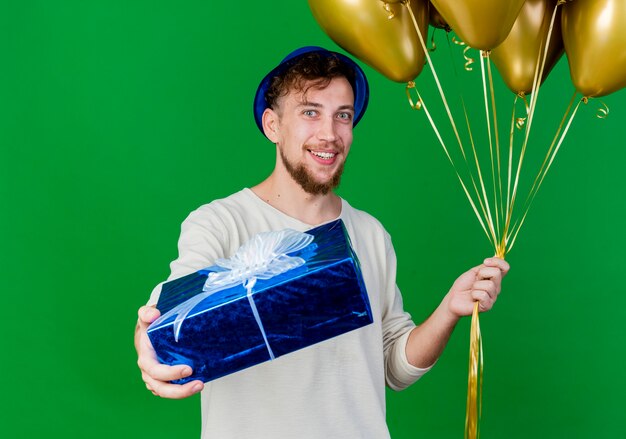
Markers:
{"x": 323, "y": 155}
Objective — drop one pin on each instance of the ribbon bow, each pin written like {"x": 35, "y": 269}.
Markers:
{"x": 264, "y": 256}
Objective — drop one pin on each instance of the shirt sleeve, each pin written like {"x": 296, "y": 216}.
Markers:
{"x": 397, "y": 326}
{"x": 202, "y": 241}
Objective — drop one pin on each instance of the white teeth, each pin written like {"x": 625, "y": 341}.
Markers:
{"x": 324, "y": 155}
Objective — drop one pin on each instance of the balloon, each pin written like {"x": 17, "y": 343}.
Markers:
{"x": 594, "y": 34}
{"x": 436, "y": 20}
{"x": 481, "y": 24}
{"x": 363, "y": 28}
{"x": 516, "y": 58}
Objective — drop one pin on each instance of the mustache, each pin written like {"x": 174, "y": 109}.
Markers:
{"x": 335, "y": 146}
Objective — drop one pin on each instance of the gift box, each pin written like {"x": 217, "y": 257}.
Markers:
{"x": 282, "y": 291}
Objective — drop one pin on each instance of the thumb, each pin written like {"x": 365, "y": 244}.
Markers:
{"x": 148, "y": 314}
{"x": 467, "y": 279}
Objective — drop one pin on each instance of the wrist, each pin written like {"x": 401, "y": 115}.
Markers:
{"x": 447, "y": 311}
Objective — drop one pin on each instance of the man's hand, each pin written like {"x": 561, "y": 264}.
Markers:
{"x": 480, "y": 284}
{"x": 155, "y": 374}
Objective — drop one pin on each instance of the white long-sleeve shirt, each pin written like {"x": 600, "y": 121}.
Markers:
{"x": 334, "y": 389}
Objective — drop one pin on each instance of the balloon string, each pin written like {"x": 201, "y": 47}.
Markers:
{"x": 547, "y": 163}
{"x": 483, "y": 200}
{"x": 469, "y": 128}
{"x": 484, "y": 205}
{"x": 514, "y": 124}
{"x": 474, "y": 403}
{"x": 494, "y": 144}
{"x": 543, "y": 170}
{"x": 407, "y": 3}
{"x": 497, "y": 139}
{"x": 474, "y": 379}
{"x": 488, "y": 119}
{"x": 491, "y": 235}
{"x": 471, "y": 137}
{"x": 421, "y": 105}
{"x": 539, "y": 69}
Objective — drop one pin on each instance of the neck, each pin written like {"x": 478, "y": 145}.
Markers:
{"x": 283, "y": 193}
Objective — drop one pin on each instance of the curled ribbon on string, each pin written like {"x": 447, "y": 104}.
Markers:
{"x": 602, "y": 113}
{"x": 264, "y": 256}
{"x": 468, "y": 60}
{"x": 417, "y": 105}
{"x": 433, "y": 45}
{"x": 520, "y": 121}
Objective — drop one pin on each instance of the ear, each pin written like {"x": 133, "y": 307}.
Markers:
{"x": 270, "y": 122}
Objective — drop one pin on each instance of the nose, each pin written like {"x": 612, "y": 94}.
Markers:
{"x": 327, "y": 130}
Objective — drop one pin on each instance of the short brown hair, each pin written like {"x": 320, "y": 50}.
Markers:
{"x": 316, "y": 67}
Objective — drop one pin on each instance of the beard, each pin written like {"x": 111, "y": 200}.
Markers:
{"x": 303, "y": 177}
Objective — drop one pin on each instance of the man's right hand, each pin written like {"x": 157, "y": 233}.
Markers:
{"x": 157, "y": 375}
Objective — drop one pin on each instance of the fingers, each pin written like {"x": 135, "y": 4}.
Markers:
{"x": 480, "y": 284}
{"x": 494, "y": 269}
{"x": 151, "y": 367}
{"x": 488, "y": 283}
{"x": 488, "y": 286}
{"x": 499, "y": 263}
{"x": 491, "y": 274}
{"x": 155, "y": 374}
{"x": 172, "y": 391}
{"x": 484, "y": 292}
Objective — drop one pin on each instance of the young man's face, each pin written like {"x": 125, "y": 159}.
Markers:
{"x": 313, "y": 133}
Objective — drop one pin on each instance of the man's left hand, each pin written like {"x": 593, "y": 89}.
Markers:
{"x": 480, "y": 284}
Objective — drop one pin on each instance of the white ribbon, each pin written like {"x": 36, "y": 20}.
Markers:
{"x": 264, "y": 256}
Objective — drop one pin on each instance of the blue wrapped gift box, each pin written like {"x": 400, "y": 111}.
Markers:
{"x": 228, "y": 331}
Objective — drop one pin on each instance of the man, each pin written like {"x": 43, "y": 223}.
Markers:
{"x": 307, "y": 106}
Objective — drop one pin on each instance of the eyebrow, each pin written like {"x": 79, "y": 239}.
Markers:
{"x": 306, "y": 103}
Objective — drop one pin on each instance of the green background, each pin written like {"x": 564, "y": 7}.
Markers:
{"x": 118, "y": 118}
